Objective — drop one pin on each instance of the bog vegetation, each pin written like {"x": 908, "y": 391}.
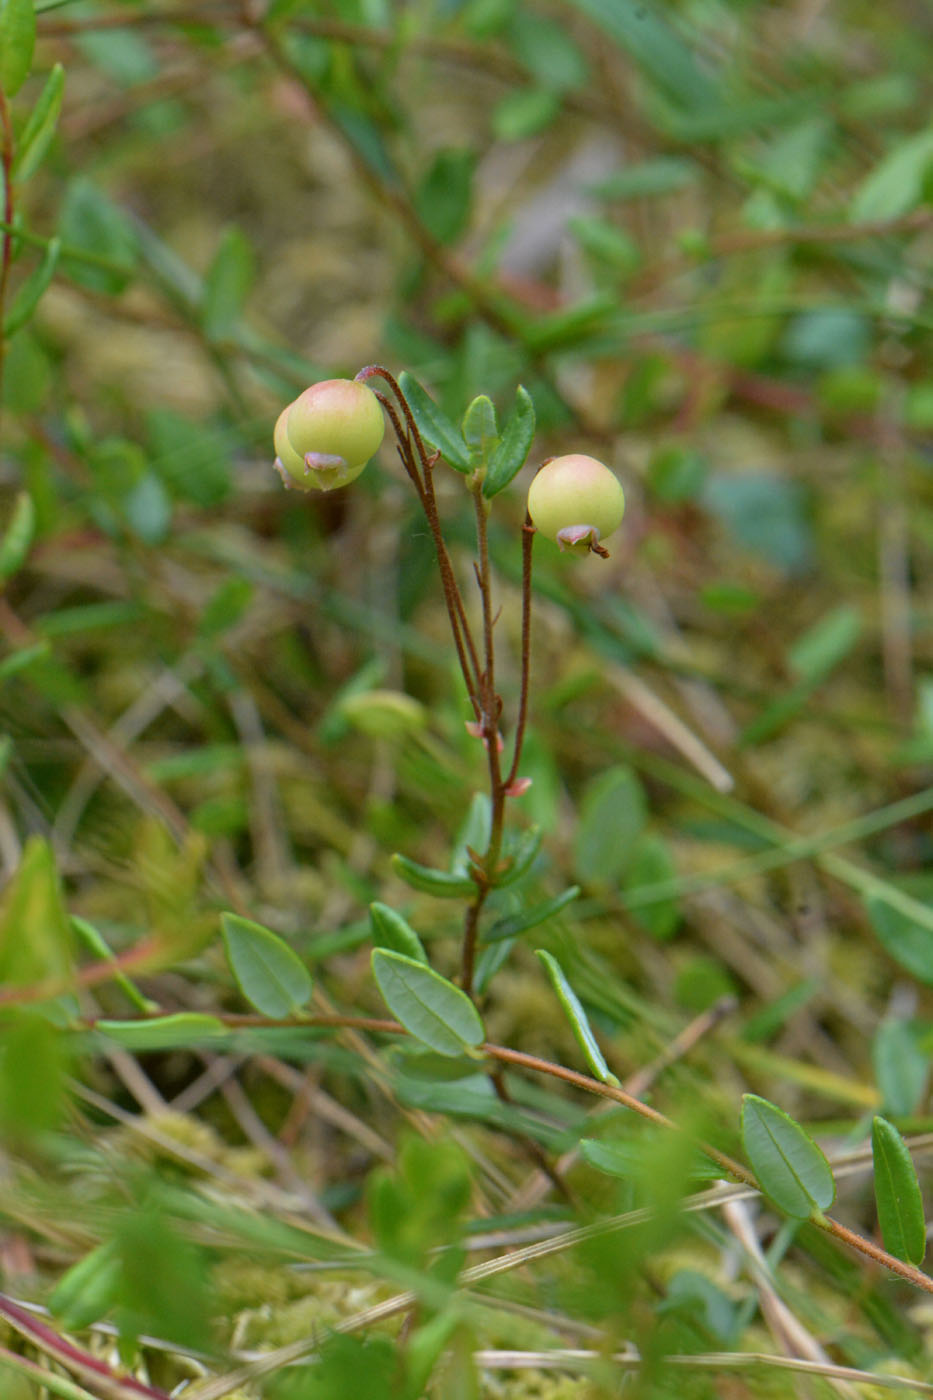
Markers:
{"x": 435, "y": 962}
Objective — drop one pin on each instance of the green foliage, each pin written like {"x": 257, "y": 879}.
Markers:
{"x": 434, "y": 425}
{"x": 417, "y": 1207}
{"x": 897, "y": 1194}
{"x": 227, "y": 285}
{"x": 40, "y": 127}
{"x": 612, "y": 814}
{"x": 791, "y": 1169}
{"x": 430, "y": 1008}
{"x": 573, "y": 1010}
{"x": 36, "y": 944}
{"x": 17, "y": 40}
{"x": 271, "y": 977}
{"x": 510, "y": 452}
{"x": 390, "y": 930}
{"x": 164, "y": 1286}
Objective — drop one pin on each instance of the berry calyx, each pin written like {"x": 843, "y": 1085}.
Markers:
{"x": 577, "y": 502}
{"x": 325, "y": 438}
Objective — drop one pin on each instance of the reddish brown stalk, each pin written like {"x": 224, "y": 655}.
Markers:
{"x": 411, "y": 442}
{"x": 93, "y": 1371}
{"x": 528, "y": 538}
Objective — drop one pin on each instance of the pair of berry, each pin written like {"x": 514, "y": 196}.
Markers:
{"x": 326, "y": 437}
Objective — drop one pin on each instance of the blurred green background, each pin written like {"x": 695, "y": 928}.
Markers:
{"x": 700, "y": 234}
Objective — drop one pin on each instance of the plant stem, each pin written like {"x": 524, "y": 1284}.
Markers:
{"x": 528, "y": 539}
{"x": 410, "y": 443}
{"x": 504, "y": 1055}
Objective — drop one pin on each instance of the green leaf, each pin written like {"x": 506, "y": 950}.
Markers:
{"x": 33, "y": 1068}
{"x": 612, "y": 815}
{"x": 93, "y": 225}
{"x": 653, "y": 864}
{"x": 391, "y": 930}
{"x": 514, "y": 924}
{"x": 442, "y": 883}
{"x": 512, "y": 450}
{"x": 445, "y": 195}
{"x": 473, "y": 833}
{"x": 663, "y": 175}
{"x": 17, "y": 41}
{"x": 791, "y": 1170}
{"x": 820, "y": 649}
{"x": 546, "y": 49}
{"x": 227, "y": 285}
{"x": 164, "y": 1281}
{"x": 226, "y": 606}
{"x": 480, "y": 429}
{"x": 607, "y": 245}
{"x": 193, "y": 459}
{"x": 624, "y": 1159}
{"x": 180, "y": 1031}
{"x": 32, "y": 290}
{"x": 657, "y": 49}
{"x": 18, "y": 535}
{"x": 88, "y": 1289}
{"x": 897, "y": 1194}
{"x": 896, "y": 185}
{"x": 35, "y": 936}
{"x": 434, "y": 425}
{"x": 577, "y": 1017}
{"x": 902, "y": 1067}
{"x": 40, "y": 127}
{"x": 430, "y": 1008}
{"x": 519, "y": 859}
{"x": 908, "y": 940}
{"x": 269, "y": 974}
{"x": 93, "y": 940}
{"x": 524, "y": 113}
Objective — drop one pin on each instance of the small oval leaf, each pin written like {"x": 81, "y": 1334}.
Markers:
{"x": 480, "y": 429}
{"x": 34, "y": 287}
{"x": 227, "y": 284}
{"x": 40, "y": 127}
{"x": 513, "y": 447}
{"x": 442, "y": 883}
{"x": 89, "y": 1288}
{"x": 897, "y": 1194}
{"x": 179, "y": 1031}
{"x": 17, "y": 41}
{"x": 513, "y": 924}
{"x": 269, "y": 974}
{"x": 391, "y": 930}
{"x": 519, "y": 860}
{"x": 791, "y": 1170}
{"x": 434, "y": 425}
{"x": 577, "y": 1017}
{"x": 430, "y": 1008}
{"x": 623, "y": 1160}
{"x": 17, "y": 537}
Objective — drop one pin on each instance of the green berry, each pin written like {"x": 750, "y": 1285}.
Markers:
{"x": 326, "y": 437}
{"x": 577, "y": 502}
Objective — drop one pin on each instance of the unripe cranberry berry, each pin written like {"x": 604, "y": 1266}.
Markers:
{"x": 577, "y": 502}
{"x": 326, "y": 437}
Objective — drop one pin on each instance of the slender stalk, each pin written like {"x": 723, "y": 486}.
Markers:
{"x": 521, "y": 1060}
{"x": 96, "y": 1372}
{"x": 528, "y": 539}
{"x": 491, "y": 707}
{"x": 412, "y": 450}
